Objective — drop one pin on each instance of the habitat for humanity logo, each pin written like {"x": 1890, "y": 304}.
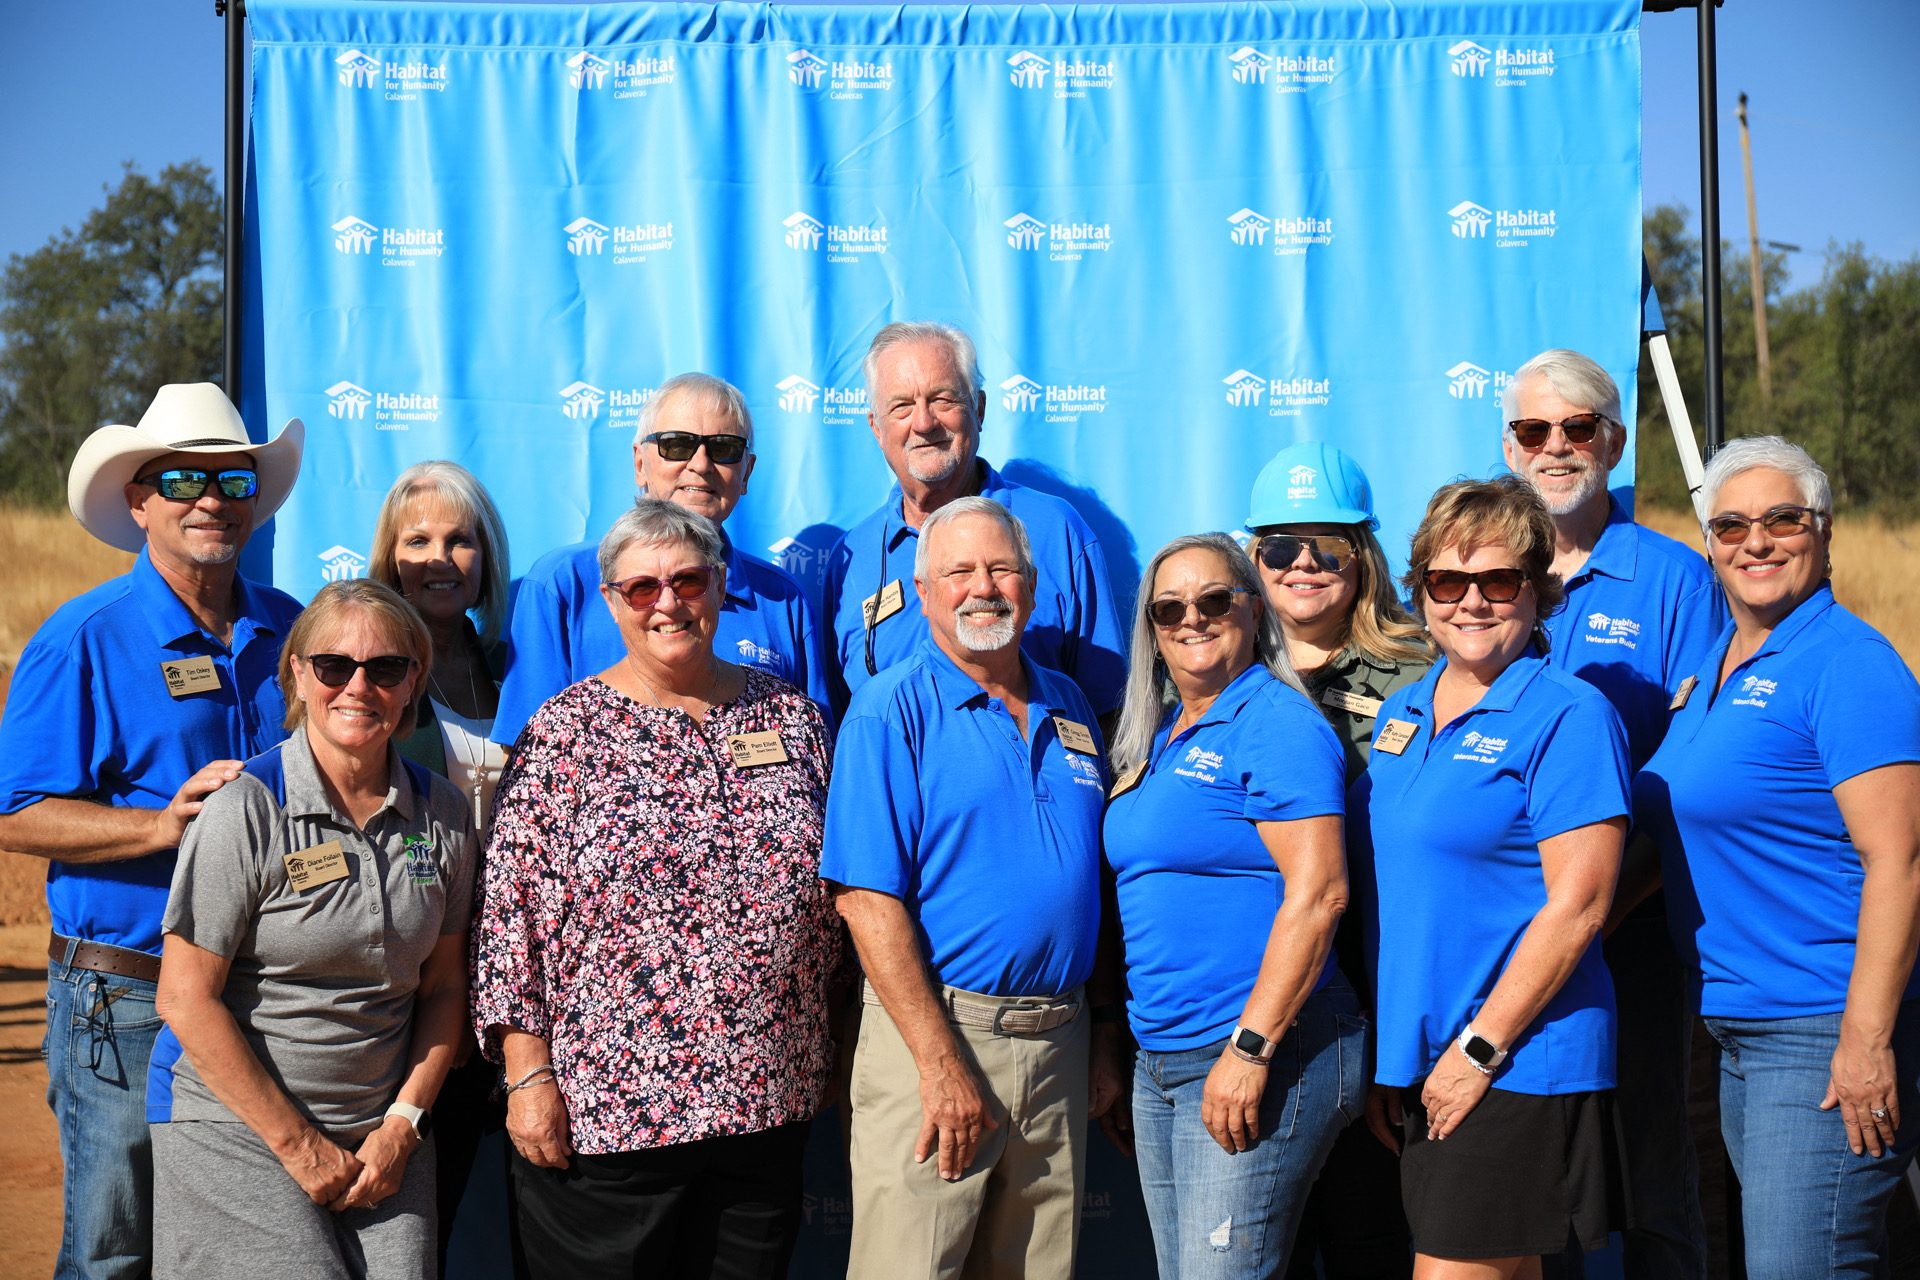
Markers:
{"x": 844, "y": 79}
{"x": 1066, "y": 241}
{"x": 1512, "y": 228}
{"x": 1290, "y": 235}
{"x": 357, "y": 70}
{"x": 402, "y": 81}
{"x": 1285, "y": 397}
{"x": 392, "y": 411}
{"x": 582, "y": 401}
{"x": 631, "y": 77}
{"x": 1510, "y": 66}
{"x": 1602, "y": 629}
{"x": 1754, "y": 692}
{"x": 1029, "y": 70}
{"x": 837, "y": 405}
{"x": 337, "y": 564}
{"x": 1470, "y": 221}
{"x": 631, "y": 242}
{"x": 806, "y": 232}
{"x": 1468, "y": 381}
{"x": 1300, "y": 484}
{"x": 399, "y": 246}
{"x": 1063, "y": 402}
{"x": 1287, "y": 72}
{"x": 799, "y": 559}
{"x": 1480, "y": 749}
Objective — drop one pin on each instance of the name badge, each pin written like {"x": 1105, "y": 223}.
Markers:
{"x": 1395, "y": 736}
{"x": 1686, "y": 691}
{"x": 190, "y": 675}
{"x": 751, "y": 750}
{"x": 888, "y": 601}
{"x": 322, "y": 864}
{"x": 1358, "y": 703}
{"x": 1074, "y": 736}
{"x": 1128, "y": 780}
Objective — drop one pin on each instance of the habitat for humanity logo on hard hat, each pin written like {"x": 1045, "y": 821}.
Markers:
{"x": 1311, "y": 483}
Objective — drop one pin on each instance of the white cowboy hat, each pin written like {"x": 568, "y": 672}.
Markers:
{"x": 185, "y": 417}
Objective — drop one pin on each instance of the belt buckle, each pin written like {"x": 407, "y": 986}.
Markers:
{"x": 1027, "y": 1010}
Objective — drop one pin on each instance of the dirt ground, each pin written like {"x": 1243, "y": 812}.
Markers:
{"x": 29, "y": 1144}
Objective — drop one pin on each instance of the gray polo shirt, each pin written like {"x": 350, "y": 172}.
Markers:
{"x": 323, "y": 978}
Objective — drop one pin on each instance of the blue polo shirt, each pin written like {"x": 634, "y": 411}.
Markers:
{"x": 562, "y": 632}
{"x": 1074, "y": 627}
{"x": 89, "y": 717}
{"x": 1763, "y": 881}
{"x": 1639, "y": 619}
{"x": 992, "y": 840}
{"x": 1443, "y": 840}
{"x": 1184, "y": 850}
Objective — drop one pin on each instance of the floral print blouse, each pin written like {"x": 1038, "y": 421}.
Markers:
{"x": 656, "y": 914}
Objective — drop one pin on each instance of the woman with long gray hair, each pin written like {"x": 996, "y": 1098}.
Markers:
{"x": 1224, "y": 839}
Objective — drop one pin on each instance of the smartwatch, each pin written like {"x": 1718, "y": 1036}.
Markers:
{"x": 1253, "y": 1046}
{"x": 419, "y": 1119}
{"x": 1480, "y": 1051}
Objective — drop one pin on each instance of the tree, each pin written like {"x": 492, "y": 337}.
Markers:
{"x": 97, "y": 319}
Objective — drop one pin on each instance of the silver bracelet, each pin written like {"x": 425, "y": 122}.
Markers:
{"x": 528, "y": 1080}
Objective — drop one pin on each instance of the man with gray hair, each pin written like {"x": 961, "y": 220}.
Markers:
{"x": 963, "y": 847}
{"x": 1642, "y": 611}
{"x": 693, "y": 448}
{"x": 925, "y": 409}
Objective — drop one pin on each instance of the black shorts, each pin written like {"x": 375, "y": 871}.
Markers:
{"x": 1523, "y": 1175}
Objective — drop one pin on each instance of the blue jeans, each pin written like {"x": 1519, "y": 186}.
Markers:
{"x": 1229, "y": 1217}
{"x": 100, "y": 1033}
{"x": 1809, "y": 1206}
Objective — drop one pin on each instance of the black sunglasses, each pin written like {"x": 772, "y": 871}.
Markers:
{"x": 185, "y": 484}
{"x": 1581, "y": 428}
{"x": 1781, "y": 522}
{"x": 1214, "y": 604}
{"x": 679, "y": 446}
{"x": 1331, "y": 552}
{"x": 641, "y": 590}
{"x": 335, "y": 669}
{"x": 1497, "y": 586}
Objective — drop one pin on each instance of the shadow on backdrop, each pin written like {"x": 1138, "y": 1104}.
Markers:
{"x": 1116, "y": 540}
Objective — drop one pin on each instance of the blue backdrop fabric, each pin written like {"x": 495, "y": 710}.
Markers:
{"x": 1183, "y": 236}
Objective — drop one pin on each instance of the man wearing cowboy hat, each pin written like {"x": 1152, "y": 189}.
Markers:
{"x": 131, "y": 705}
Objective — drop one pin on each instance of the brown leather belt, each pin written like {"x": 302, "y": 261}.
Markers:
{"x": 103, "y": 957}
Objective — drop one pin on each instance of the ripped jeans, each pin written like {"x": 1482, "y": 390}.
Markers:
{"x": 100, "y": 1033}
{"x": 1217, "y": 1216}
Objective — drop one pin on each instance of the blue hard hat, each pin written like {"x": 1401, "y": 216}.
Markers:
{"x": 1312, "y": 483}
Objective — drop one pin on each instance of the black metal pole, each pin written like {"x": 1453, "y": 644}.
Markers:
{"x": 1715, "y": 415}
{"x": 233, "y": 289}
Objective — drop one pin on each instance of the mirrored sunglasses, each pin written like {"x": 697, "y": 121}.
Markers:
{"x": 1331, "y": 553}
{"x": 184, "y": 484}
{"x": 1214, "y": 604}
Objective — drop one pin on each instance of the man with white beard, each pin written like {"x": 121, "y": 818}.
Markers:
{"x": 1642, "y": 612}
{"x": 963, "y": 849}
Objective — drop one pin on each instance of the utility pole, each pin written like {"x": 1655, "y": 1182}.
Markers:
{"x": 1716, "y": 415}
{"x": 1753, "y": 264}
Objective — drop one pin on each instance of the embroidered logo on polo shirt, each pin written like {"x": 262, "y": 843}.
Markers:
{"x": 1086, "y": 772}
{"x": 421, "y": 868}
{"x": 1602, "y": 629}
{"x": 754, "y": 655}
{"x": 1204, "y": 763}
{"x": 1754, "y": 692}
{"x": 1480, "y": 748}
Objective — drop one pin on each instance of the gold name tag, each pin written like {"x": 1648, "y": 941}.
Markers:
{"x": 1358, "y": 703}
{"x": 1686, "y": 691}
{"x": 190, "y": 675}
{"x": 1395, "y": 736}
{"x": 1074, "y": 736}
{"x": 322, "y": 864}
{"x": 890, "y": 600}
{"x": 753, "y": 749}
{"x": 1128, "y": 780}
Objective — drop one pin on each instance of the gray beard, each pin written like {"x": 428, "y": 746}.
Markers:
{"x": 221, "y": 556}
{"x": 988, "y": 639}
{"x": 1592, "y": 481}
{"x": 938, "y": 471}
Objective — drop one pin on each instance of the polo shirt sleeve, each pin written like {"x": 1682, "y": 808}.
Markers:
{"x": 1697, "y": 622}
{"x": 1578, "y": 774}
{"x": 218, "y": 882}
{"x": 811, "y": 652}
{"x": 874, "y": 813}
{"x": 1292, "y": 762}
{"x": 47, "y": 734}
{"x": 537, "y": 658}
{"x": 1864, "y": 711}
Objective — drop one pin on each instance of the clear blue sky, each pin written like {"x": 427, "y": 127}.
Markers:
{"x": 1834, "y": 101}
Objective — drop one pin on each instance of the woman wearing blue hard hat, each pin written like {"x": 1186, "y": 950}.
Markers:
{"x": 1327, "y": 581}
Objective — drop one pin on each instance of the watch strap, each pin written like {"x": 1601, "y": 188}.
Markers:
{"x": 1242, "y": 1044}
{"x": 416, "y": 1117}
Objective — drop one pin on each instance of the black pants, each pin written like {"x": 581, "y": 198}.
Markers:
{"x": 1354, "y": 1223}
{"x": 464, "y": 1113}
{"x": 726, "y": 1208}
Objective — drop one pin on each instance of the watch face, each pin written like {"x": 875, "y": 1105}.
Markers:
{"x": 1250, "y": 1042}
{"x": 1480, "y": 1049}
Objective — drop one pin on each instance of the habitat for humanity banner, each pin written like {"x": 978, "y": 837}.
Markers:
{"x": 1183, "y": 237}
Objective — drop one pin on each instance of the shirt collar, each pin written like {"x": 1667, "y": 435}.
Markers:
{"x": 736, "y": 572}
{"x": 957, "y": 688}
{"x": 1617, "y": 553}
{"x": 1504, "y": 696}
{"x": 307, "y": 794}
{"x": 1241, "y": 688}
{"x": 894, "y": 530}
{"x": 1804, "y": 616}
{"x": 167, "y": 614}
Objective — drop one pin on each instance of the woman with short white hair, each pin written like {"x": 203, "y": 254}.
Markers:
{"x": 1786, "y": 799}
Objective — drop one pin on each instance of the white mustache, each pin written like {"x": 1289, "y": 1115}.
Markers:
{"x": 999, "y": 608}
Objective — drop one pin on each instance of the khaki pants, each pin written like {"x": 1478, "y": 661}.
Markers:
{"x": 1016, "y": 1212}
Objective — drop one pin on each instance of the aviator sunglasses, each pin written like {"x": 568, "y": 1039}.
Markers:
{"x": 640, "y": 591}
{"x": 1781, "y": 522}
{"x": 1497, "y": 586}
{"x": 679, "y": 446}
{"x": 185, "y": 484}
{"x": 1331, "y": 553}
{"x": 1581, "y": 428}
{"x": 335, "y": 669}
{"x": 1214, "y": 604}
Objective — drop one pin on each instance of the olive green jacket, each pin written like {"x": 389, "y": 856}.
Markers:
{"x": 1349, "y": 691}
